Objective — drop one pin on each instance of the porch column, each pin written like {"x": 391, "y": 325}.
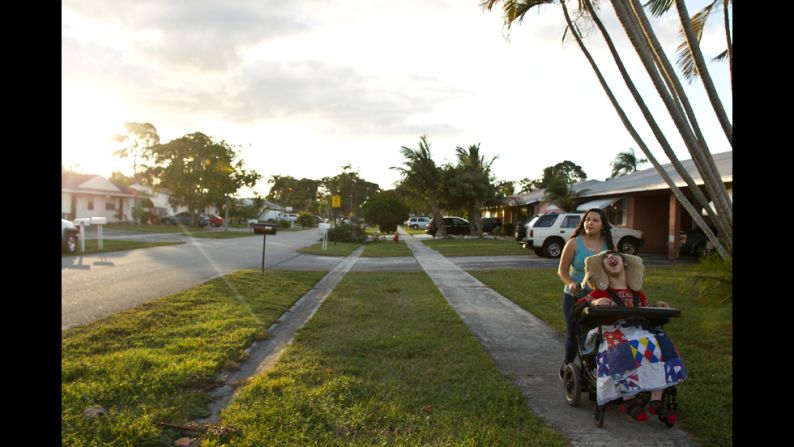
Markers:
{"x": 674, "y": 228}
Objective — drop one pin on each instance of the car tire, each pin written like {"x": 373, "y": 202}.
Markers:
{"x": 553, "y": 247}
{"x": 628, "y": 245}
{"x": 70, "y": 244}
{"x": 414, "y": 227}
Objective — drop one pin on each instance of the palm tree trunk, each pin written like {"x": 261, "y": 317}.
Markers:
{"x": 637, "y": 38}
{"x": 702, "y": 157}
{"x": 728, "y": 39}
{"x": 694, "y": 48}
{"x": 632, "y": 131}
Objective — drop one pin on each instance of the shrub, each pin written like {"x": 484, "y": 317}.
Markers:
{"x": 347, "y": 233}
{"x": 715, "y": 279}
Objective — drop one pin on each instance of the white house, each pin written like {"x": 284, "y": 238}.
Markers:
{"x": 86, "y": 195}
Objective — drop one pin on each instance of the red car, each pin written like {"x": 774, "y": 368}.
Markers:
{"x": 210, "y": 219}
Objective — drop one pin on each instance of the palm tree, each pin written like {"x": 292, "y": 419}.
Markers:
{"x": 471, "y": 183}
{"x": 625, "y": 163}
{"x": 686, "y": 58}
{"x": 643, "y": 39}
{"x": 561, "y": 193}
{"x": 422, "y": 178}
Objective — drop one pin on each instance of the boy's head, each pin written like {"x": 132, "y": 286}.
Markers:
{"x": 599, "y": 267}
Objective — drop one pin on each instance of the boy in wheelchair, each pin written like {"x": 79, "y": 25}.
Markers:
{"x": 631, "y": 353}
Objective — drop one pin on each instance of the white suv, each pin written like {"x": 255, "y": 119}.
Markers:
{"x": 548, "y": 234}
{"x": 417, "y": 223}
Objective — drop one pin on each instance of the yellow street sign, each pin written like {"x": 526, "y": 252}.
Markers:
{"x": 336, "y": 201}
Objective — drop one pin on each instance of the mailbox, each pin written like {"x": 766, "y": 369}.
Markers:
{"x": 99, "y": 220}
{"x": 260, "y": 228}
{"x": 83, "y": 221}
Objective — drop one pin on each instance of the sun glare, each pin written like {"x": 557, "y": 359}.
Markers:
{"x": 89, "y": 118}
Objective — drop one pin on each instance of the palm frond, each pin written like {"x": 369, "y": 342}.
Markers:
{"x": 720, "y": 56}
{"x": 659, "y": 7}
{"x": 686, "y": 61}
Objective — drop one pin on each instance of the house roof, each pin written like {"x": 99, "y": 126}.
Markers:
{"x": 650, "y": 180}
{"x": 94, "y": 184}
{"x": 645, "y": 180}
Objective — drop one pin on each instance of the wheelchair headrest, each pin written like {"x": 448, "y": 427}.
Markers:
{"x": 595, "y": 275}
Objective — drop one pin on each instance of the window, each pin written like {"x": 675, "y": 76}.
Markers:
{"x": 617, "y": 212}
{"x": 110, "y": 205}
{"x": 546, "y": 220}
{"x": 90, "y": 204}
{"x": 570, "y": 221}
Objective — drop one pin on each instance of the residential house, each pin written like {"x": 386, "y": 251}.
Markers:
{"x": 640, "y": 200}
{"x": 87, "y": 195}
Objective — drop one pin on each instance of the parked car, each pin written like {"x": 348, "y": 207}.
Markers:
{"x": 548, "y": 234}
{"x": 182, "y": 218}
{"x": 210, "y": 219}
{"x": 695, "y": 243}
{"x": 522, "y": 231}
{"x": 453, "y": 225}
{"x": 69, "y": 236}
{"x": 417, "y": 222}
{"x": 290, "y": 217}
{"x": 490, "y": 223}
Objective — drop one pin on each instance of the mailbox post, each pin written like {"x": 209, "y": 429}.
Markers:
{"x": 264, "y": 229}
{"x": 82, "y": 223}
{"x": 99, "y": 221}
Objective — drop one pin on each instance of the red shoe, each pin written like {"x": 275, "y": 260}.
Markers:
{"x": 665, "y": 414}
{"x": 634, "y": 409}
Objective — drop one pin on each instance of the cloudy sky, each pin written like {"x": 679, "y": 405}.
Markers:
{"x": 302, "y": 88}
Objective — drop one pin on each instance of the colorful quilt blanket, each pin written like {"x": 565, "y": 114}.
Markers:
{"x": 634, "y": 357}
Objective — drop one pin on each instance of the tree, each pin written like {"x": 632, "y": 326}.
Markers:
{"x": 386, "y": 210}
{"x": 198, "y": 171}
{"x": 470, "y": 184}
{"x": 625, "y": 163}
{"x": 137, "y": 140}
{"x": 643, "y": 39}
{"x": 299, "y": 194}
{"x": 422, "y": 178}
{"x": 566, "y": 172}
{"x": 352, "y": 188}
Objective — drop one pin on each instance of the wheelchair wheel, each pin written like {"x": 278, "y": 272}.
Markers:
{"x": 573, "y": 384}
{"x": 598, "y": 416}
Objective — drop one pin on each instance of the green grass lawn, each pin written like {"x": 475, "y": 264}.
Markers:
{"x": 332, "y": 249}
{"x": 386, "y": 248}
{"x": 158, "y": 228}
{"x": 703, "y": 333}
{"x": 155, "y": 362}
{"x": 108, "y": 245}
{"x": 385, "y": 361}
{"x": 476, "y": 247}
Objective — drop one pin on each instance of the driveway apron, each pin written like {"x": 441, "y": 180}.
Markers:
{"x": 529, "y": 353}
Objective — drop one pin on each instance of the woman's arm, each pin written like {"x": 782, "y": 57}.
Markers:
{"x": 566, "y": 259}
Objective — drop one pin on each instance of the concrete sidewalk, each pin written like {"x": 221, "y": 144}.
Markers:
{"x": 529, "y": 353}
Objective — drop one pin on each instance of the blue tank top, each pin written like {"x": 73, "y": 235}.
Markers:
{"x": 577, "y": 266}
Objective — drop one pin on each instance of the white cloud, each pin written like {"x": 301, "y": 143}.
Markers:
{"x": 306, "y": 87}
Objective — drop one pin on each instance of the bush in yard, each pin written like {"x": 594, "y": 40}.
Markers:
{"x": 347, "y": 233}
{"x": 386, "y": 210}
{"x": 305, "y": 219}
